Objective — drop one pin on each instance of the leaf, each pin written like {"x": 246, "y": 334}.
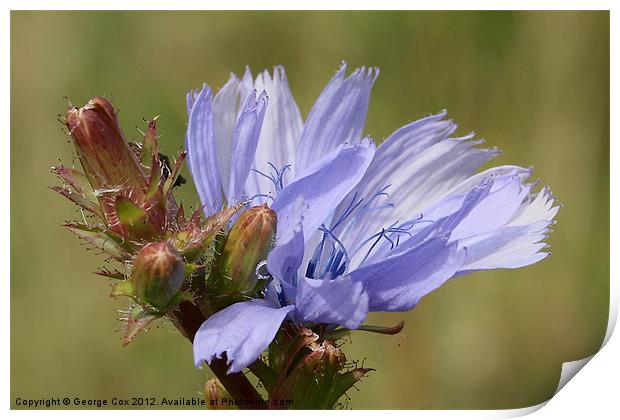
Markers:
{"x": 133, "y": 219}
{"x": 180, "y": 297}
{"x": 342, "y": 332}
{"x": 154, "y": 179}
{"x": 180, "y": 216}
{"x": 80, "y": 200}
{"x": 305, "y": 338}
{"x": 117, "y": 275}
{"x": 190, "y": 268}
{"x": 128, "y": 212}
{"x": 122, "y": 288}
{"x": 217, "y": 221}
{"x": 344, "y": 382}
{"x": 195, "y": 241}
{"x": 100, "y": 240}
{"x": 265, "y": 374}
{"x": 137, "y": 322}
{"x": 149, "y": 144}
{"x": 77, "y": 180}
{"x": 383, "y": 330}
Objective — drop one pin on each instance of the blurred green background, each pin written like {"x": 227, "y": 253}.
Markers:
{"x": 536, "y": 84}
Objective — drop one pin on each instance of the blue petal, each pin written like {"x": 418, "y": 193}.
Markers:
{"x": 413, "y": 168}
{"x": 450, "y": 216}
{"x": 341, "y": 301}
{"x": 242, "y": 331}
{"x": 225, "y": 109}
{"x": 246, "y": 86}
{"x": 427, "y": 176}
{"x": 468, "y": 204}
{"x": 488, "y": 206}
{"x": 280, "y": 293}
{"x": 200, "y": 145}
{"x": 507, "y": 247}
{"x": 495, "y": 210}
{"x": 190, "y": 98}
{"x": 337, "y": 117}
{"x": 398, "y": 282}
{"x": 278, "y": 140}
{"x": 519, "y": 243}
{"x": 287, "y": 255}
{"x": 323, "y": 189}
{"x": 538, "y": 207}
{"x": 244, "y": 141}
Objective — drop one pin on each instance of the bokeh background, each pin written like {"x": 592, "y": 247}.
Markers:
{"x": 536, "y": 84}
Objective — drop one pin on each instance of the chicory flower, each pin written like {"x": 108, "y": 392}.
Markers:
{"x": 359, "y": 228}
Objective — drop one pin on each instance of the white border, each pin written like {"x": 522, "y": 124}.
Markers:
{"x": 594, "y": 393}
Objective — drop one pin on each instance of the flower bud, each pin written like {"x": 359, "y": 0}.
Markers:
{"x": 327, "y": 359}
{"x": 109, "y": 163}
{"x": 325, "y": 365}
{"x": 248, "y": 243}
{"x": 317, "y": 380}
{"x": 158, "y": 275}
{"x": 214, "y": 393}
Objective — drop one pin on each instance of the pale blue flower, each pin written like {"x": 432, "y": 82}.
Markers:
{"x": 360, "y": 228}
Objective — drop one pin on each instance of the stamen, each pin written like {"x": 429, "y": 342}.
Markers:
{"x": 328, "y": 264}
{"x": 262, "y": 195}
{"x": 269, "y": 177}
{"x": 350, "y": 209}
{"x": 379, "y": 236}
{"x": 402, "y": 229}
{"x": 277, "y": 178}
{"x": 356, "y": 212}
{"x": 335, "y": 238}
{"x": 333, "y": 261}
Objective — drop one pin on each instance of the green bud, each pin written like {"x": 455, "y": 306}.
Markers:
{"x": 157, "y": 275}
{"x": 248, "y": 243}
{"x": 318, "y": 380}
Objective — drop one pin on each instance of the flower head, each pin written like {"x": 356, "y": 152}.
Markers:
{"x": 359, "y": 228}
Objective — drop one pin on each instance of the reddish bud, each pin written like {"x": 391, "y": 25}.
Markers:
{"x": 110, "y": 165}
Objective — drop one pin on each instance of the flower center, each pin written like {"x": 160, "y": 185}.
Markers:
{"x": 331, "y": 258}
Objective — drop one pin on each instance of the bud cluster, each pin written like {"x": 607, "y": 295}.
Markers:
{"x": 125, "y": 194}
